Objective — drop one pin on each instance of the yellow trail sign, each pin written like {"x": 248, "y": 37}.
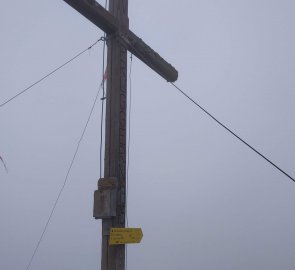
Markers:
{"x": 119, "y": 236}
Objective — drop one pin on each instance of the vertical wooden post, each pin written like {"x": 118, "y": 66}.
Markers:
{"x": 110, "y": 198}
{"x": 113, "y": 257}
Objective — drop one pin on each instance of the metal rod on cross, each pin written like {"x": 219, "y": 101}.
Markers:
{"x": 110, "y": 197}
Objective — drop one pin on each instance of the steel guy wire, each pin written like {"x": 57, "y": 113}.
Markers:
{"x": 128, "y": 155}
{"x": 233, "y": 133}
{"x": 224, "y": 126}
{"x": 50, "y": 73}
{"x": 65, "y": 180}
{"x": 102, "y": 105}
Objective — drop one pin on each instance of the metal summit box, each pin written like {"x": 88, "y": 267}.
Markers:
{"x": 105, "y": 198}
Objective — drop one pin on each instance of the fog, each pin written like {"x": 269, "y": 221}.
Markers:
{"x": 202, "y": 198}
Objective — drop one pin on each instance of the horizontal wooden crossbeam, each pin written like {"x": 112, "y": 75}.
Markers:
{"x": 98, "y": 15}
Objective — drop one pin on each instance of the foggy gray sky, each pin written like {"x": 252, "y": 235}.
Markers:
{"x": 203, "y": 200}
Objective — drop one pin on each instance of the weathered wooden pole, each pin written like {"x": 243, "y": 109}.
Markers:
{"x": 113, "y": 256}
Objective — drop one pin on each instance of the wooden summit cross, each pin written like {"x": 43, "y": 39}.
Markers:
{"x": 110, "y": 198}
